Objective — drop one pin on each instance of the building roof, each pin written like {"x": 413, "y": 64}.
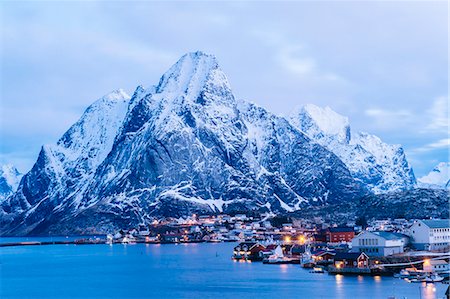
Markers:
{"x": 323, "y": 252}
{"x": 437, "y": 223}
{"x": 389, "y": 235}
{"x": 341, "y": 229}
{"x": 249, "y": 245}
{"x": 438, "y": 262}
{"x": 347, "y": 255}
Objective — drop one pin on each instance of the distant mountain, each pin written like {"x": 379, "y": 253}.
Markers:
{"x": 187, "y": 146}
{"x": 9, "y": 180}
{"x": 381, "y": 167}
{"x": 438, "y": 178}
{"x": 418, "y": 203}
{"x": 411, "y": 204}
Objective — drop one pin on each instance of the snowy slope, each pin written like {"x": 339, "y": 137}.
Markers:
{"x": 9, "y": 180}
{"x": 380, "y": 166}
{"x": 63, "y": 169}
{"x": 438, "y": 178}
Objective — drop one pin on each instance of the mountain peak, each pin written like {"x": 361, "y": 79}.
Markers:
{"x": 191, "y": 74}
{"x": 118, "y": 94}
{"x": 324, "y": 120}
{"x": 11, "y": 175}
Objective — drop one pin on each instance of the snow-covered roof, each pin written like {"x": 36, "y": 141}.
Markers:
{"x": 437, "y": 223}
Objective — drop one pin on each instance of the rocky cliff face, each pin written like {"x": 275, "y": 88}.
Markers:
{"x": 9, "y": 180}
{"x": 180, "y": 147}
{"x": 381, "y": 167}
{"x": 63, "y": 170}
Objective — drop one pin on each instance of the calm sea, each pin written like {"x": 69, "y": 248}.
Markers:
{"x": 177, "y": 271}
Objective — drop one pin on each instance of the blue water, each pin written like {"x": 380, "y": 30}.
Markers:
{"x": 176, "y": 271}
{"x": 43, "y": 239}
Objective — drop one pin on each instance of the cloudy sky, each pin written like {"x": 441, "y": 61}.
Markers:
{"x": 383, "y": 64}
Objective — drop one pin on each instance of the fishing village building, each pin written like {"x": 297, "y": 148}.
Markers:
{"x": 431, "y": 235}
{"x": 340, "y": 234}
{"x": 379, "y": 243}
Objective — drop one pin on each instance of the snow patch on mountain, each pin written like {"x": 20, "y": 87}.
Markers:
{"x": 9, "y": 180}
{"x": 438, "y": 178}
{"x": 321, "y": 122}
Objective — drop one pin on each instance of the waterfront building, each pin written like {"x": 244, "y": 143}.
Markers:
{"x": 351, "y": 260}
{"x": 323, "y": 257}
{"x": 379, "y": 243}
{"x": 249, "y": 251}
{"x": 431, "y": 235}
{"x": 436, "y": 266}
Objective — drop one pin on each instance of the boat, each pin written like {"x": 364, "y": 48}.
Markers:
{"x": 109, "y": 239}
{"x": 403, "y": 274}
{"x": 433, "y": 278}
{"x": 307, "y": 261}
{"x": 277, "y": 260}
{"x": 445, "y": 274}
{"x": 129, "y": 239}
{"x": 317, "y": 270}
{"x": 426, "y": 278}
{"x": 416, "y": 279}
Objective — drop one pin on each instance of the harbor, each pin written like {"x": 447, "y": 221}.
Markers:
{"x": 382, "y": 248}
{"x": 196, "y": 269}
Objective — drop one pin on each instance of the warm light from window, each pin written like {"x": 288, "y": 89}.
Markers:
{"x": 301, "y": 239}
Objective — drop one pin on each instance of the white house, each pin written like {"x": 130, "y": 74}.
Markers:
{"x": 438, "y": 266}
{"x": 430, "y": 234}
{"x": 379, "y": 243}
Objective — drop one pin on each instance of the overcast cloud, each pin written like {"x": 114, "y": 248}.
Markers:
{"x": 382, "y": 64}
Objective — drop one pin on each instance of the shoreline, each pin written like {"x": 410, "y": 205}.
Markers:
{"x": 97, "y": 242}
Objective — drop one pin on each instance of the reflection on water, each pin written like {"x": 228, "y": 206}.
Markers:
{"x": 339, "y": 290}
{"x": 428, "y": 291}
{"x": 360, "y": 278}
{"x": 377, "y": 278}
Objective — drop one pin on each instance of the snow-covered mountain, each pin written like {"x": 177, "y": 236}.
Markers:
{"x": 187, "y": 146}
{"x": 438, "y": 178}
{"x": 9, "y": 180}
{"x": 63, "y": 170}
{"x": 183, "y": 146}
{"x": 381, "y": 167}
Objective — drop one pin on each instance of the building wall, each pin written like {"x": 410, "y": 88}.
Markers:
{"x": 374, "y": 245}
{"x": 393, "y": 250}
{"x": 420, "y": 233}
{"x": 336, "y": 237}
{"x": 425, "y": 238}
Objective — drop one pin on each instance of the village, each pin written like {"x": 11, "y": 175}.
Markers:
{"x": 414, "y": 250}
